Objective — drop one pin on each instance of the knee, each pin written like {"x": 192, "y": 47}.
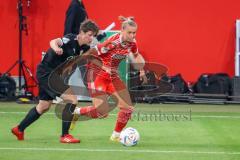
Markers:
{"x": 131, "y": 108}
{"x": 128, "y": 109}
{"x": 102, "y": 116}
{"x": 125, "y": 105}
{"x": 126, "y": 112}
{"x": 43, "y": 107}
{"x": 72, "y": 99}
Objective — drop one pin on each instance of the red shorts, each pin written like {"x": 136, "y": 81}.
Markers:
{"x": 100, "y": 85}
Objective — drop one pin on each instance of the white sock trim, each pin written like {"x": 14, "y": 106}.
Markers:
{"x": 116, "y": 134}
{"x": 77, "y": 110}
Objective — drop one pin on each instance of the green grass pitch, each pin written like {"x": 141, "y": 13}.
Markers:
{"x": 168, "y": 131}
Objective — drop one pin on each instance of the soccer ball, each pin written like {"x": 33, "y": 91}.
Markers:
{"x": 129, "y": 137}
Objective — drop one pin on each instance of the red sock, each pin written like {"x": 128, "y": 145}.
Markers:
{"x": 119, "y": 126}
{"x": 123, "y": 116}
{"x": 90, "y": 111}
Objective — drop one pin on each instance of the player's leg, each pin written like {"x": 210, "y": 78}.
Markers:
{"x": 100, "y": 107}
{"x": 122, "y": 97}
{"x": 31, "y": 117}
{"x": 45, "y": 100}
{"x": 67, "y": 116}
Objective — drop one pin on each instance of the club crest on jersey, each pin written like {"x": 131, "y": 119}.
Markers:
{"x": 104, "y": 49}
{"x": 124, "y": 45}
{"x": 65, "y": 40}
{"x": 118, "y": 56}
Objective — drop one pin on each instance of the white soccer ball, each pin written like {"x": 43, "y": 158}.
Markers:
{"x": 129, "y": 137}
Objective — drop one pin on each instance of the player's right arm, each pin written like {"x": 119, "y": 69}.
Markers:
{"x": 56, "y": 44}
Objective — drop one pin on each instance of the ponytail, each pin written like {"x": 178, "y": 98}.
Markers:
{"x": 127, "y": 21}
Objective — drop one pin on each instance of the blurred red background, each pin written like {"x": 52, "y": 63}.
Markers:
{"x": 189, "y": 37}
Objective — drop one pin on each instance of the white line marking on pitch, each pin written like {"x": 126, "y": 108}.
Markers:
{"x": 50, "y": 113}
{"x": 193, "y": 116}
{"x": 121, "y": 150}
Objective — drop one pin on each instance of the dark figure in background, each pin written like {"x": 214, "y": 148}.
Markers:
{"x": 75, "y": 15}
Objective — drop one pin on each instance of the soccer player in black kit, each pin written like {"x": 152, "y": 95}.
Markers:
{"x": 61, "y": 49}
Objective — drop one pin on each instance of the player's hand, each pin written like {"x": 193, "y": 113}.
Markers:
{"x": 58, "y": 50}
{"x": 143, "y": 77}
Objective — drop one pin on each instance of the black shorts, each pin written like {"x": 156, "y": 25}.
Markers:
{"x": 46, "y": 92}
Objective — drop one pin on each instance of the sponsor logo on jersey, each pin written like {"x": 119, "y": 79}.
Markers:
{"x": 118, "y": 56}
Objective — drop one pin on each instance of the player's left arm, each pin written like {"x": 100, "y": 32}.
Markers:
{"x": 138, "y": 63}
{"x": 136, "y": 58}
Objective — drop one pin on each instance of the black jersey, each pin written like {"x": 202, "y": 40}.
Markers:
{"x": 70, "y": 48}
{"x": 51, "y": 61}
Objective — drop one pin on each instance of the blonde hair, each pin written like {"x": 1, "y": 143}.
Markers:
{"x": 127, "y": 21}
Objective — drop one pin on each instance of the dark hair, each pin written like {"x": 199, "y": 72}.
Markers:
{"x": 89, "y": 25}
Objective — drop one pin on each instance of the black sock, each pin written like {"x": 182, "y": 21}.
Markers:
{"x": 32, "y": 116}
{"x": 67, "y": 116}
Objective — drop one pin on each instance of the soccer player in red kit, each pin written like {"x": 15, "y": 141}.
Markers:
{"x": 104, "y": 81}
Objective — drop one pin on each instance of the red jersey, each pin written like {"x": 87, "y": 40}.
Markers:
{"x": 112, "y": 52}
